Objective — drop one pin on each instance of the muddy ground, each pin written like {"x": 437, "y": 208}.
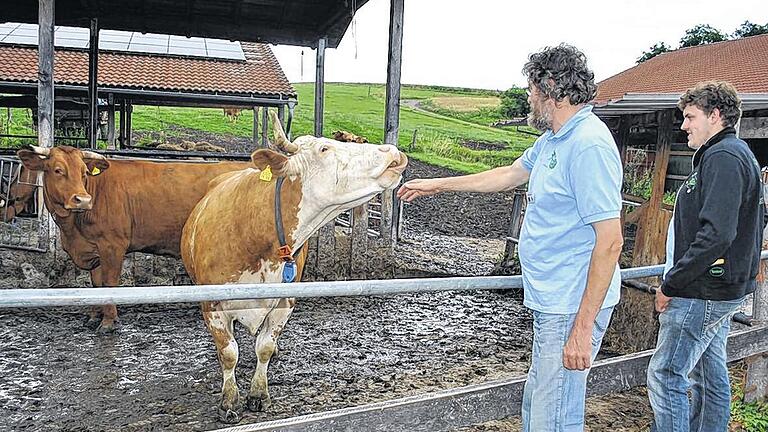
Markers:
{"x": 159, "y": 373}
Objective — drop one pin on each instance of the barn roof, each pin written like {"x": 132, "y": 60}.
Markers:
{"x": 259, "y": 75}
{"x": 742, "y": 62}
{"x": 295, "y": 22}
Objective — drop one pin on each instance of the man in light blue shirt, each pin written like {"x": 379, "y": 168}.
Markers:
{"x": 571, "y": 238}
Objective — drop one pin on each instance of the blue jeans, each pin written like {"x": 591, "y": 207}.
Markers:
{"x": 553, "y": 399}
{"x": 691, "y": 343}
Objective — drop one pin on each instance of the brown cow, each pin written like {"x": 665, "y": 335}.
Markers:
{"x": 106, "y": 208}
{"x": 231, "y": 237}
{"x": 345, "y": 136}
{"x": 16, "y": 192}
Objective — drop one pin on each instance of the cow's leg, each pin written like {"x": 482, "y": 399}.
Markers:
{"x": 94, "y": 315}
{"x": 220, "y": 326}
{"x": 111, "y": 265}
{"x": 266, "y": 345}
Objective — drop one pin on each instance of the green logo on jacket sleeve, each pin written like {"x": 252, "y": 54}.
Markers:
{"x": 552, "y": 160}
{"x": 690, "y": 184}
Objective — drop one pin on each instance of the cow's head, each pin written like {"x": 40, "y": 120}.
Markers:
{"x": 65, "y": 170}
{"x": 16, "y": 191}
{"x": 335, "y": 176}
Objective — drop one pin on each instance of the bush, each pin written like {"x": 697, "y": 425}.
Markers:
{"x": 514, "y": 103}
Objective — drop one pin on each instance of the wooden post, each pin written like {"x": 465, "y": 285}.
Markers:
{"x": 93, "y": 85}
{"x": 623, "y": 138}
{"x": 255, "y": 127}
{"x": 392, "y": 116}
{"x": 515, "y": 226}
{"x": 111, "y": 121}
{"x": 281, "y": 115}
{"x": 319, "y": 86}
{"x": 264, "y": 127}
{"x": 388, "y": 228}
{"x": 756, "y": 381}
{"x": 359, "y": 242}
{"x": 45, "y": 73}
{"x": 123, "y": 120}
{"x": 650, "y": 242}
{"x": 128, "y": 128}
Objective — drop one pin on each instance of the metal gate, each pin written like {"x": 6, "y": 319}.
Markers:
{"x": 26, "y": 228}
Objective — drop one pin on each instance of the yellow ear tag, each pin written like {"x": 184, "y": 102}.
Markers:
{"x": 95, "y": 171}
{"x": 266, "y": 175}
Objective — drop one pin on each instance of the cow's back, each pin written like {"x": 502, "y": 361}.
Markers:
{"x": 150, "y": 201}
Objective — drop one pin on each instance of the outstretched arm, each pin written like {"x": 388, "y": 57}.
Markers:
{"x": 494, "y": 180}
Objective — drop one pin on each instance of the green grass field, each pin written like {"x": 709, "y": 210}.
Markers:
{"x": 448, "y": 118}
{"x": 359, "y": 108}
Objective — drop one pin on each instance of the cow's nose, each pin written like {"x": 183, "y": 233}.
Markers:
{"x": 82, "y": 201}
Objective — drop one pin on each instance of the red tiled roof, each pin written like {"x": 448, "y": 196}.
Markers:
{"x": 259, "y": 74}
{"x": 742, "y": 62}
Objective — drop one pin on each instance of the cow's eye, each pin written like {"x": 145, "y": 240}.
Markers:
{"x": 59, "y": 171}
{"x": 323, "y": 149}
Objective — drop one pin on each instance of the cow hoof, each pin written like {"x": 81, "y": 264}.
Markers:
{"x": 92, "y": 323}
{"x": 228, "y": 416}
{"x": 256, "y": 404}
{"x": 104, "y": 328}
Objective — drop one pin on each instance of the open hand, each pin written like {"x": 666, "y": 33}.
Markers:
{"x": 413, "y": 189}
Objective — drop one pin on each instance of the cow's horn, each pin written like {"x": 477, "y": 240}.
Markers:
{"x": 281, "y": 141}
{"x": 42, "y": 151}
{"x": 92, "y": 155}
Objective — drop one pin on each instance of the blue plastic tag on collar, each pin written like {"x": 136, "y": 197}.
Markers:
{"x": 289, "y": 271}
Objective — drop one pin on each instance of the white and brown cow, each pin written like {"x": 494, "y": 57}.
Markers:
{"x": 231, "y": 237}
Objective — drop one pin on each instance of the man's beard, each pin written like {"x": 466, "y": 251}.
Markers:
{"x": 539, "y": 120}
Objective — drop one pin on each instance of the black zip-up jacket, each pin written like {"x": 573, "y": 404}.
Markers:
{"x": 718, "y": 223}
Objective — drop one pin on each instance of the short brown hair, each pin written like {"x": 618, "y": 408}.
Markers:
{"x": 709, "y": 95}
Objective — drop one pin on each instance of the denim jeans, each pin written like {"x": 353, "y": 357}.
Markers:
{"x": 553, "y": 399}
{"x": 690, "y": 354}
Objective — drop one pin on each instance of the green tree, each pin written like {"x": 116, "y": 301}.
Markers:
{"x": 514, "y": 103}
{"x": 701, "y": 34}
{"x": 749, "y": 29}
{"x": 655, "y": 50}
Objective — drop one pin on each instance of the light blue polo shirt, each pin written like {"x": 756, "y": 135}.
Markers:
{"x": 575, "y": 180}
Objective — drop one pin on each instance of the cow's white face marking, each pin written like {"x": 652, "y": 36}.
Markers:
{"x": 338, "y": 176}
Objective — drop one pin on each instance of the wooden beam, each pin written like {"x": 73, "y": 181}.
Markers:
{"x": 623, "y": 137}
{"x": 93, "y": 84}
{"x": 359, "y": 242}
{"x": 319, "y": 86}
{"x": 392, "y": 115}
{"x": 46, "y": 12}
{"x": 756, "y": 381}
{"x": 123, "y": 119}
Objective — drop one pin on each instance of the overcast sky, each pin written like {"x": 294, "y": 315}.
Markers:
{"x": 484, "y": 43}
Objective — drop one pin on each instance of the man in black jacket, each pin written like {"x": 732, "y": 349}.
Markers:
{"x": 713, "y": 253}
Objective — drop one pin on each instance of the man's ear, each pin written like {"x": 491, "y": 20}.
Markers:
{"x": 31, "y": 159}
{"x": 715, "y": 116}
{"x": 277, "y": 162}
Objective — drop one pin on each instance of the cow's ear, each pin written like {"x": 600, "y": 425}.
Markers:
{"x": 31, "y": 159}
{"x": 95, "y": 162}
{"x": 277, "y": 162}
{"x": 96, "y": 165}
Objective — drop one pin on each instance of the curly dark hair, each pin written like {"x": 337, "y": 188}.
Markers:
{"x": 709, "y": 95}
{"x": 560, "y": 72}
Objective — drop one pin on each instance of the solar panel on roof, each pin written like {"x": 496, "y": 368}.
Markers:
{"x": 114, "y": 40}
